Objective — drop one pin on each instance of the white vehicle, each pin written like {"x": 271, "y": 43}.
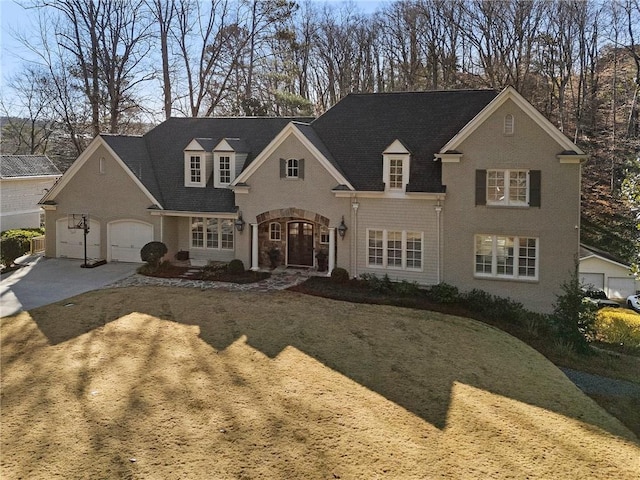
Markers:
{"x": 633, "y": 302}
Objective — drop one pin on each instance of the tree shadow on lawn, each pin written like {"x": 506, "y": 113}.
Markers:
{"x": 412, "y": 358}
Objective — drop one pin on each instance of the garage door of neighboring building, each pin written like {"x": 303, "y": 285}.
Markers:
{"x": 70, "y": 242}
{"x": 595, "y": 280}
{"x": 621, "y": 287}
{"x": 126, "y": 239}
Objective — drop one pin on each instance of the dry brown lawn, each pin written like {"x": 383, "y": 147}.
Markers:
{"x": 161, "y": 383}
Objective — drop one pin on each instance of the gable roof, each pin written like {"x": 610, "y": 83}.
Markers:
{"x": 308, "y": 137}
{"x": 19, "y": 166}
{"x": 361, "y": 126}
{"x": 587, "y": 251}
{"x": 165, "y": 145}
{"x": 135, "y": 159}
{"x": 510, "y": 93}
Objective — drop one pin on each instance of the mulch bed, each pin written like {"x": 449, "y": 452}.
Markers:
{"x": 197, "y": 273}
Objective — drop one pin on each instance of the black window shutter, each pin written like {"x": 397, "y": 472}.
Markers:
{"x": 534, "y": 188}
{"x": 481, "y": 187}
{"x": 283, "y": 168}
{"x": 301, "y": 169}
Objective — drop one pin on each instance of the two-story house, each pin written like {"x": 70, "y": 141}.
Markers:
{"x": 471, "y": 187}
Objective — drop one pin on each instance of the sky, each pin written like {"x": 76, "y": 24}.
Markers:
{"x": 14, "y": 18}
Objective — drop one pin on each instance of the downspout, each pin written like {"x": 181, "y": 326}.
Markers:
{"x": 355, "y": 206}
{"x": 438, "y": 243}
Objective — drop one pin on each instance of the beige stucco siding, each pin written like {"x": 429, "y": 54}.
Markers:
{"x": 555, "y": 223}
{"x": 267, "y": 192}
{"x": 108, "y": 196}
{"x": 395, "y": 214}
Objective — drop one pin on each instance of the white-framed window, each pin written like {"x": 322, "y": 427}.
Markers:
{"x": 224, "y": 169}
{"x": 510, "y": 257}
{"x": 324, "y": 235}
{"x": 508, "y": 187}
{"x": 195, "y": 169}
{"x": 275, "y": 232}
{"x": 292, "y": 168}
{"x": 396, "y": 174}
{"x": 509, "y": 124}
{"x": 395, "y": 249}
{"x": 212, "y": 233}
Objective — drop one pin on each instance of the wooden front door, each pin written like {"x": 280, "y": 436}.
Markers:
{"x": 300, "y": 244}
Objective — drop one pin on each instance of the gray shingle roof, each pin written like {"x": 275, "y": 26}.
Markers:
{"x": 14, "y": 166}
{"x": 358, "y": 129}
{"x": 132, "y": 150}
{"x": 352, "y": 136}
{"x": 165, "y": 145}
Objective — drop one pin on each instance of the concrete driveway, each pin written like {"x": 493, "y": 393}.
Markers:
{"x": 42, "y": 281}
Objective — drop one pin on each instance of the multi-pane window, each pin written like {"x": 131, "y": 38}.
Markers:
{"x": 395, "y": 173}
{"x": 414, "y": 250}
{"x": 275, "y": 231}
{"x": 197, "y": 232}
{"x": 324, "y": 235}
{"x": 507, "y": 187}
{"x": 376, "y": 249}
{"x": 224, "y": 164}
{"x": 195, "y": 169}
{"x": 505, "y": 256}
{"x": 226, "y": 234}
{"x": 395, "y": 249}
{"x": 292, "y": 168}
{"x": 211, "y": 233}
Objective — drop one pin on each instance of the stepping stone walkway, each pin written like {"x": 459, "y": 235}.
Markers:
{"x": 280, "y": 279}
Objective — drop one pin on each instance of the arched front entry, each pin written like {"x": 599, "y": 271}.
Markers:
{"x": 300, "y": 243}
{"x": 292, "y": 237}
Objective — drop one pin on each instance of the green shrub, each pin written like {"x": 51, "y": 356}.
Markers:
{"x": 379, "y": 285}
{"x": 235, "y": 267}
{"x": 573, "y": 317}
{"x": 23, "y": 238}
{"x": 12, "y": 248}
{"x": 152, "y": 253}
{"x": 339, "y": 275}
{"x": 407, "y": 289}
{"x": 444, "y": 293}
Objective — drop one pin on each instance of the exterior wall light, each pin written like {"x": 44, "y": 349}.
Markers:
{"x": 342, "y": 228}
{"x": 239, "y": 223}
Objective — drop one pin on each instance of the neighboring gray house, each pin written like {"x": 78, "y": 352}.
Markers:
{"x": 470, "y": 187}
{"x": 24, "y": 179}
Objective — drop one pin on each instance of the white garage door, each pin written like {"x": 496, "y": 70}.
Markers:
{"x": 70, "y": 243}
{"x": 595, "y": 280}
{"x": 126, "y": 239}
{"x": 621, "y": 287}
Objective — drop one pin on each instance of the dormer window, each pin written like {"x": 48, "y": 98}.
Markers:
{"x": 224, "y": 169}
{"x": 197, "y": 162}
{"x": 395, "y": 174}
{"x": 195, "y": 167}
{"x": 229, "y": 156}
{"x": 395, "y": 161}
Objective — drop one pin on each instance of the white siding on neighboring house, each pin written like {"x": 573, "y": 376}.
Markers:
{"x": 19, "y": 199}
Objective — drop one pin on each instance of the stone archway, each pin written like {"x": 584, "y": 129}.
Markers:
{"x": 282, "y": 246}
{"x": 292, "y": 213}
